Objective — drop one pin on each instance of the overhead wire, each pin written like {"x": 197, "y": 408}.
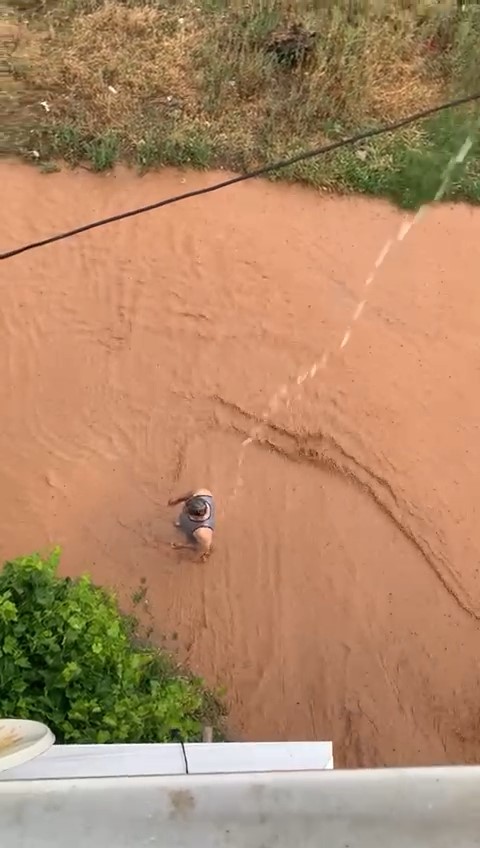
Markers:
{"x": 257, "y": 172}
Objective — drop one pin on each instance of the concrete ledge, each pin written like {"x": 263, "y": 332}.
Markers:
{"x": 84, "y": 761}
{"x": 398, "y": 808}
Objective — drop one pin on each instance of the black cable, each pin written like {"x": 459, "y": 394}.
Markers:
{"x": 258, "y": 172}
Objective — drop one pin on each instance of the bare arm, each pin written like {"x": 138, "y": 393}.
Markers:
{"x": 188, "y": 495}
{"x": 181, "y": 499}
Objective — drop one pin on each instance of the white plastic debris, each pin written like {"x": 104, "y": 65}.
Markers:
{"x": 45, "y": 105}
{"x": 112, "y": 89}
{"x": 35, "y": 154}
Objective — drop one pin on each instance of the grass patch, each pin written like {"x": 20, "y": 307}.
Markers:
{"x": 204, "y": 83}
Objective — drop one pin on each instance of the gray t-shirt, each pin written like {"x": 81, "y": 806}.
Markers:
{"x": 189, "y": 524}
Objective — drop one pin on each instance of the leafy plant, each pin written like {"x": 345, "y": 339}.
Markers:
{"x": 68, "y": 658}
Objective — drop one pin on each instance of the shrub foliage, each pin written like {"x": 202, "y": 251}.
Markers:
{"x": 68, "y": 658}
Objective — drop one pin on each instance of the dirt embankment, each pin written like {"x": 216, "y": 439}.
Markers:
{"x": 343, "y": 599}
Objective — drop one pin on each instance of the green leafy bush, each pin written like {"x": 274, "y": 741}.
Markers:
{"x": 67, "y": 658}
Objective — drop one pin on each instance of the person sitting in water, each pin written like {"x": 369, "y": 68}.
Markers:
{"x": 196, "y": 520}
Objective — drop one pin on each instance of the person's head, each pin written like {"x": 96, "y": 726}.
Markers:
{"x": 196, "y": 507}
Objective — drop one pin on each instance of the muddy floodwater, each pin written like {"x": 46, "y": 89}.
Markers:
{"x": 342, "y": 600}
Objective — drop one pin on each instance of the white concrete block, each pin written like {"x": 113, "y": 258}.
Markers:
{"x": 230, "y": 757}
{"x": 73, "y": 761}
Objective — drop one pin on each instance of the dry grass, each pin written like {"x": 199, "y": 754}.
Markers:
{"x": 194, "y": 81}
{"x": 214, "y": 67}
{"x": 127, "y": 48}
{"x": 18, "y": 49}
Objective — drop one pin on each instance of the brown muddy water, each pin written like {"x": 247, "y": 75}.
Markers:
{"x": 343, "y": 597}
